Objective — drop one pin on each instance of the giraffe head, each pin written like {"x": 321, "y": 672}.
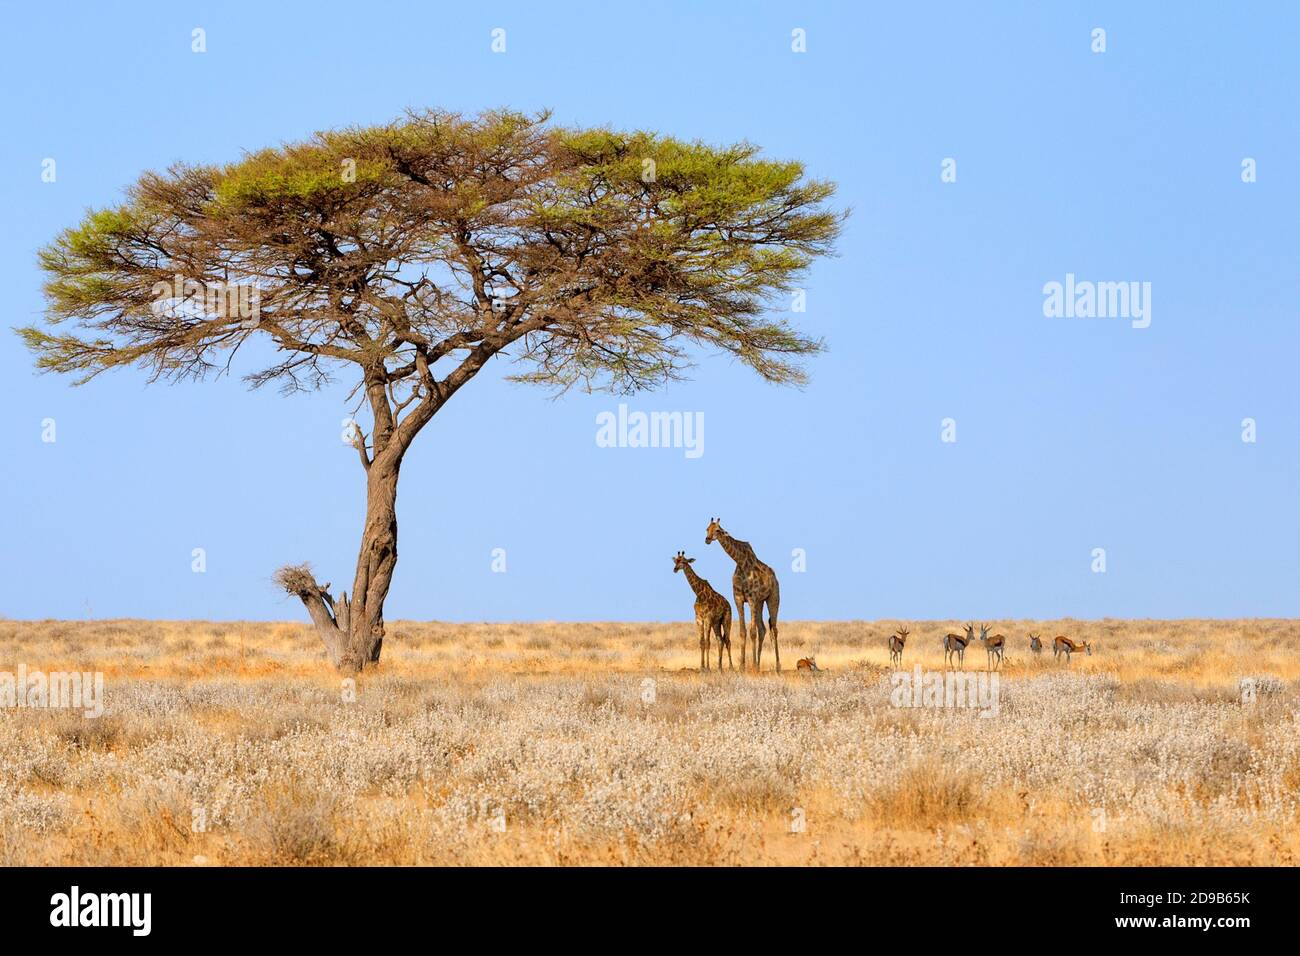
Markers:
{"x": 680, "y": 560}
{"x": 714, "y": 529}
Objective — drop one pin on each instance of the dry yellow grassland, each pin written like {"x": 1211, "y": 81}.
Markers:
{"x": 234, "y": 743}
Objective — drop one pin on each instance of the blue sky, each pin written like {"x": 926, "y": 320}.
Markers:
{"x": 1072, "y": 434}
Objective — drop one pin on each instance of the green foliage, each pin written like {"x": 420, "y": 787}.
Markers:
{"x": 601, "y": 256}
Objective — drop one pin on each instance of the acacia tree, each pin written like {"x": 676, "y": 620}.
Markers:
{"x": 408, "y": 255}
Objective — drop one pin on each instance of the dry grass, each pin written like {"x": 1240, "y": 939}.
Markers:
{"x": 534, "y": 743}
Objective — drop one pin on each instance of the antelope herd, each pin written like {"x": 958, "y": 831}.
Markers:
{"x": 954, "y": 646}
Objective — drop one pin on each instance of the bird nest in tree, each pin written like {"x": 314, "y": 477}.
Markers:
{"x": 297, "y": 579}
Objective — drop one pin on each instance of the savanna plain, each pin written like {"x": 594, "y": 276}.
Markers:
{"x": 236, "y": 743}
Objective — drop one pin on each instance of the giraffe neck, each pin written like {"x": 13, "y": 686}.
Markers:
{"x": 736, "y": 550}
{"x": 698, "y": 584}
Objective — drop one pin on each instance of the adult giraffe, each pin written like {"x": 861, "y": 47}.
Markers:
{"x": 755, "y": 584}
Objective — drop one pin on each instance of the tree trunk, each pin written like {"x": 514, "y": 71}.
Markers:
{"x": 375, "y": 564}
{"x": 353, "y": 630}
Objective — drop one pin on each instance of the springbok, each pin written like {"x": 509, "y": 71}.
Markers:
{"x": 994, "y": 645}
{"x": 955, "y": 646}
{"x": 1035, "y": 645}
{"x": 1063, "y": 645}
{"x": 807, "y": 664}
{"x": 896, "y": 643}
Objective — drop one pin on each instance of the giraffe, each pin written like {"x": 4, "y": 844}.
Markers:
{"x": 712, "y": 613}
{"x": 753, "y": 583}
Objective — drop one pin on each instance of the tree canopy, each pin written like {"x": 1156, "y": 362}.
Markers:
{"x": 604, "y": 254}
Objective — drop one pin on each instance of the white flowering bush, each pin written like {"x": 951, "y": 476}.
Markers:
{"x": 1141, "y": 753}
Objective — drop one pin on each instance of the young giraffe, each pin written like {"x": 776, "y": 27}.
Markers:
{"x": 755, "y": 584}
{"x": 712, "y": 612}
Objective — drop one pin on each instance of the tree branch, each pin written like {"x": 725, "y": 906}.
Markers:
{"x": 359, "y": 441}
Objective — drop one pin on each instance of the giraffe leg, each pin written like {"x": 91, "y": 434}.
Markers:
{"x": 724, "y": 629}
{"x": 760, "y": 632}
{"x": 773, "y": 603}
{"x": 704, "y": 654}
{"x": 744, "y": 633}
